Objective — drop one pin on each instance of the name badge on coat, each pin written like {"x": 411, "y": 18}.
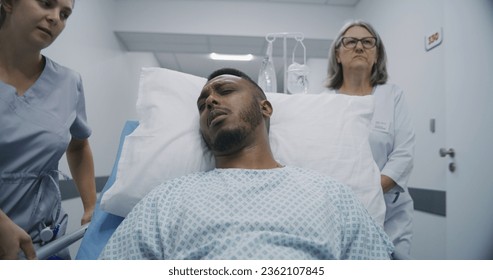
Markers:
{"x": 384, "y": 110}
{"x": 381, "y": 126}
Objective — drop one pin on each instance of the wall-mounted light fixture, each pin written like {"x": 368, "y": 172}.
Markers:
{"x": 232, "y": 57}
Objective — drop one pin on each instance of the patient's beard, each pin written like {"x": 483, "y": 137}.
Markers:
{"x": 229, "y": 140}
{"x": 232, "y": 140}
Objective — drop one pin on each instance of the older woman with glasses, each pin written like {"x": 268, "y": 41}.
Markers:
{"x": 357, "y": 66}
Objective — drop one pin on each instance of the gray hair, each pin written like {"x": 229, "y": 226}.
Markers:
{"x": 379, "y": 73}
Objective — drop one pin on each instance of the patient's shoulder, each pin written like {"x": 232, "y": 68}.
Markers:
{"x": 335, "y": 187}
{"x": 313, "y": 175}
{"x": 177, "y": 183}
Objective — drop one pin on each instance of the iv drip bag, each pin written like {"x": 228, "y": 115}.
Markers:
{"x": 267, "y": 74}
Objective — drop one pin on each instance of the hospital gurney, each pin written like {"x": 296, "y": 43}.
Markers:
{"x": 103, "y": 224}
{"x": 327, "y": 133}
{"x": 59, "y": 244}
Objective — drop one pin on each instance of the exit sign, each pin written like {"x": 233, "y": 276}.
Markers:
{"x": 433, "y": 39}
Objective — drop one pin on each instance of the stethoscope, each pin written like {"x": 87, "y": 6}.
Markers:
{"x": 50, "y": 232}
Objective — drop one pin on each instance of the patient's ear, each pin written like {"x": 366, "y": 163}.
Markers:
{"x": 266, "y": 108}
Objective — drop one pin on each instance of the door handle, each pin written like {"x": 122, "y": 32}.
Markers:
{"x": 450, "y": 152}
{"x": 444, "y": 152}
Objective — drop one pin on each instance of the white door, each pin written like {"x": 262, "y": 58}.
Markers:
{"x": 469, "y": 128}
{"x": 453, "y": 85}
{"x": 458, "y": 79}
{"x": 404, "y": 25}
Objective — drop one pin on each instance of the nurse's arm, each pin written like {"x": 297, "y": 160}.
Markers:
{"x": 81, "y": 164}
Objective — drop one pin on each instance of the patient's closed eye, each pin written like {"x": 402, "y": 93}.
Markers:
{"x": 224, "y": 89}
{"x": 201, "y": 101}
{"x": 201, "y": 106}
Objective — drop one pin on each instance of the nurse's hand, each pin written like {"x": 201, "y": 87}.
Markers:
{"x": 13, "y": 239}
{"x": 387, "y": 183}
{"x": 86, "y": 218}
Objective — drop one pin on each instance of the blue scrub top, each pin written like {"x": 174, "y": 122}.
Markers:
{"x": 36, "y": 129}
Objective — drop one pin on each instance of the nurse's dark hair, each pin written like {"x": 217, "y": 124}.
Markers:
{"x": 238, "y": 73}
{"x": 2, "y": 13}
{"x": 379, "y": 73}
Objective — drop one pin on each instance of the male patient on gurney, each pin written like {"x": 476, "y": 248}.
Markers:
{"x": 250, "y": 206}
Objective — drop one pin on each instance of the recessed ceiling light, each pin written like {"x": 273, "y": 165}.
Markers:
{"x": 233, "y": 57}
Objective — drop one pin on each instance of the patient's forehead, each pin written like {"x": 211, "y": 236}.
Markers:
{"x": 224, "y": 78}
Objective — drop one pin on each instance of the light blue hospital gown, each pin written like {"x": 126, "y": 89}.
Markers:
{"x": 283, "y": 213}
{"x": 35, "y": 131}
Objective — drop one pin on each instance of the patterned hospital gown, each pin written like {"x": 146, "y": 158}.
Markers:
{"x": 283, "y": 213}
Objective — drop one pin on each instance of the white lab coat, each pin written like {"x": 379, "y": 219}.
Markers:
{"x": 392, "y": 144}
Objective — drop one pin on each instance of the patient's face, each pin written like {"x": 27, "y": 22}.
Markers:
{"x": 229, "y": 113}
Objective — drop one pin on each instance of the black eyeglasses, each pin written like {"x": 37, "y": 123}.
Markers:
{"x": 366, "y": 42}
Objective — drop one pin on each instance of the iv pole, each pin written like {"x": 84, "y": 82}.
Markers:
{"x": 271, "y": 37}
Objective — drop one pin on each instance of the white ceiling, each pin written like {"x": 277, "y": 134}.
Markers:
{"x": 189, "y": 52}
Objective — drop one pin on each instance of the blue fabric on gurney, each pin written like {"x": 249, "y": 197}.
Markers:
{"x": 103, "y": 224}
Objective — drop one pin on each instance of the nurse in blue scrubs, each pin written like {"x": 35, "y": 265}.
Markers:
{"x": 42, "y": 116}
{"x": 357, "y": 66}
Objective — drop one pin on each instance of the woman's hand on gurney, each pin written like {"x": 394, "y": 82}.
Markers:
{"x": 86, "y": 218}
{"x": 13, "y": 239}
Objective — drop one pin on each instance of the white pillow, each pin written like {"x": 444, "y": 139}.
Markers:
{"x": 324, "y": 132}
